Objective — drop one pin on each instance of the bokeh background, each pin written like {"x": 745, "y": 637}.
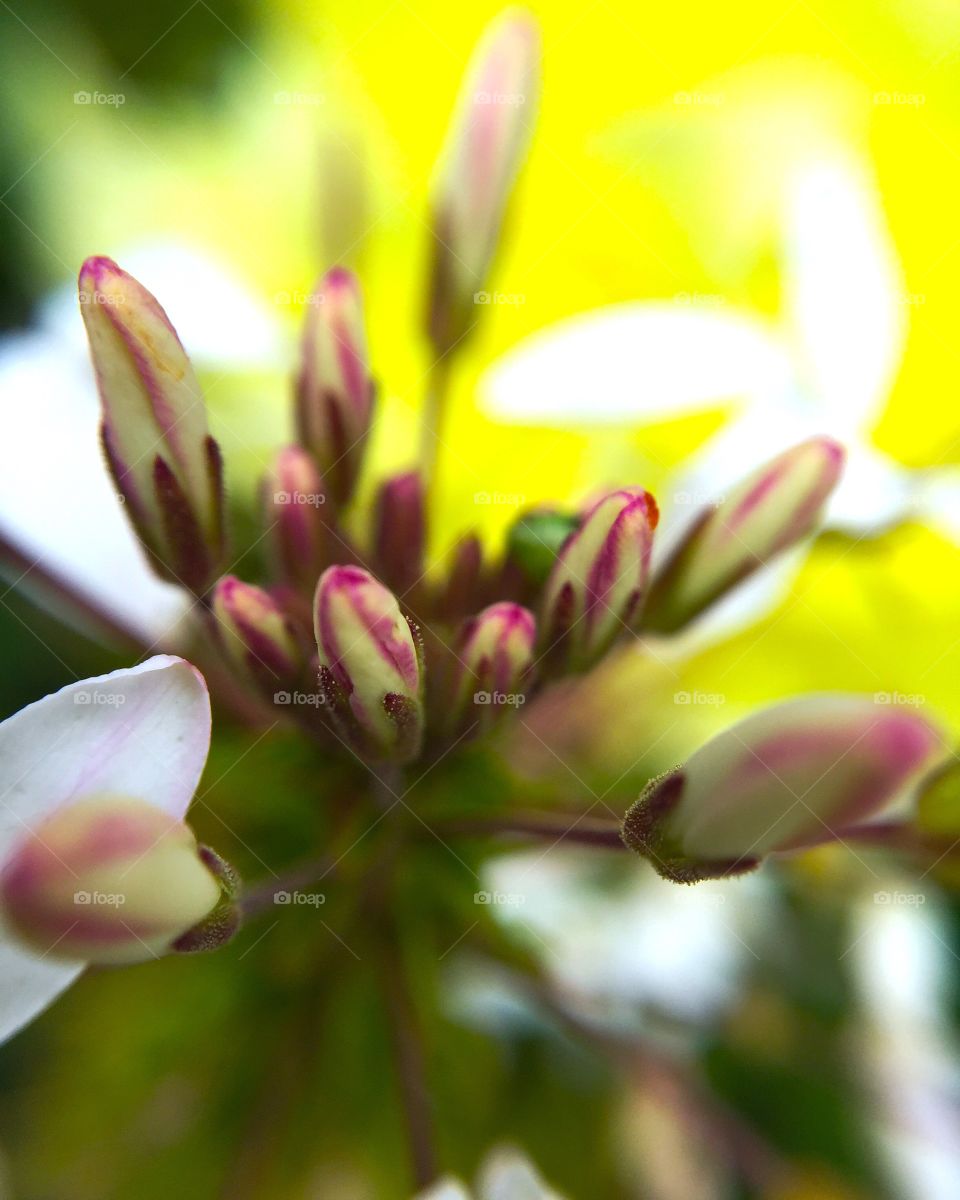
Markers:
{"x": 771, "y": 193}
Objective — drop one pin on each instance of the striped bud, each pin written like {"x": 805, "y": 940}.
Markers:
{"x": 334, "y": 388}
{"x": 596, "y": 585}
{"x": 485, "y": 146}
{"x": 294, "y": 515}
{"x": 165, "y": 465}
{"x": 792, "y": 776}
{"x": 400, "y": 532}
{"x": 493, "y": 664}
{"x": 370, "y": 666}
{"x": 257, "y": 635}
{"x": 108, "y": 880}
{"x": 765, "y": 514}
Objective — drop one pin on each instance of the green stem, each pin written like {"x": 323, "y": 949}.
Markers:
{"x": 432, "y": 421}
{"x": 554, "y": 827}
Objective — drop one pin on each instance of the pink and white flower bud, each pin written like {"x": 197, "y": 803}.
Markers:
{"x": 492, "y": 667}
{"x": 164, "y": 462}
{"x": 400, "y": 532}
{"x": 294, "y": 513}
{"x": 257, "y": 635}
{"x": 485, "y": 147}
{"x": 334, "y": 387}
{"x": 790, "y": 777}
{"x": 598, "y": 581}
{"x": 768, "y": 512}
{"x": 370, "y": 664}
{"x": 107, "y": 880}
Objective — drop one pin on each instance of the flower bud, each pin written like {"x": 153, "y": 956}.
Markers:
{"x": 165, "y": 465}
{"x": 485, "y": 146}
{"x": 256, "y": 634}
{"x": 400, "y": 532}
{"x": 294, "y": 514}
{"x": 598, "y": 580}
{"x": 494, "y": 660}
{"x": 334, "y": 388}
{"x": 370, "y": 665}
{"x": 792, "y": 776}
{"x": 765, "y": 514}
{"x": 107, "y": 880}
{"x": 464, "y": 580}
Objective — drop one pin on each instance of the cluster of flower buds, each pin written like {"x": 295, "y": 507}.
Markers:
{"x": 801, "y": 773}
{"x": 492, "y": 666}
{"x": 164, "y": 462}
{"x": 257, "y": 635}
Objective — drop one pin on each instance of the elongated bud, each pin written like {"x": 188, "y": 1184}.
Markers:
{"x": 464, "y": 581}
{"x": 790, "y": 777}
{"x": 492, "y": 668}
{"x": 294, "y": 514}
{"x": 369, "y": 664}
{"x": 598, "y": 580}
{"x": 107, "y": 880}
{"x": 400, "y": 533}
{"x": 485, "y": 146}
{"x": 334, "y": 388}
{"x": 165, "y": 465}
{"x": 257, "y": 635}
{"x": 765, "y": 514}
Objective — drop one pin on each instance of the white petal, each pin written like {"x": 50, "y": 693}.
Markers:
{"x": 28, "y": 984}
{"x": 142, "y": 732}
{"x": 508, "y": 1175}
{"x": 57, "y": 503}
{"x": 445, "y": 1189}
{"x": 636, "y": 360}
{"x": 844, "y": 293}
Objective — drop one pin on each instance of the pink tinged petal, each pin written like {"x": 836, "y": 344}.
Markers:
{"x": 334, "y": 388}
{"x": 370, "y": 662}
{"x": 598, "y": 582}
{"x": 484, "y": 149}
{"x": 767, "y": 513}
{"x": 256, "y": 634}
{"x": 792, "y": 776}
{"x": 108, "y": 879}
{"x": 492, "y": 666}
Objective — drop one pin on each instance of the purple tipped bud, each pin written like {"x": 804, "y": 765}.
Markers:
{"x": 400, "y": 533}
{"x": 107, "y": 880}
{"x": 789, "y": 777}
{"x": 492, "y": 668}
{"x": 464, "y": 580}
{"x": 768, "y": 512}
{"x": 165, "y": 465}
{"x": 257, "y": 635}
{"x": 369, "y": 664}
{"x": 334, "y": 388}
{"x": 485, "y": 147}
{"x": 596, "y": 585}
{"x": 294, "y": 514}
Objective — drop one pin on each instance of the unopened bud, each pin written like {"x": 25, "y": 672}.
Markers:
{"x": 598, "y": 580}
{"x": 485, "y": 146}
{"x": 107, "y": 880}
{"x": 334, "y": 388}
{"x": 492, "y": 667}
{"x": 256, "y": 634}
{"x": 165, "y": 465}
{"x": 792, "y": 776}
{"x": 400, "y": 532}
{"x": 369, "y": 664}
{"x": 765, "y": 514}
{"x": 295, "y": 517}
{"x": 464, "y": 580}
